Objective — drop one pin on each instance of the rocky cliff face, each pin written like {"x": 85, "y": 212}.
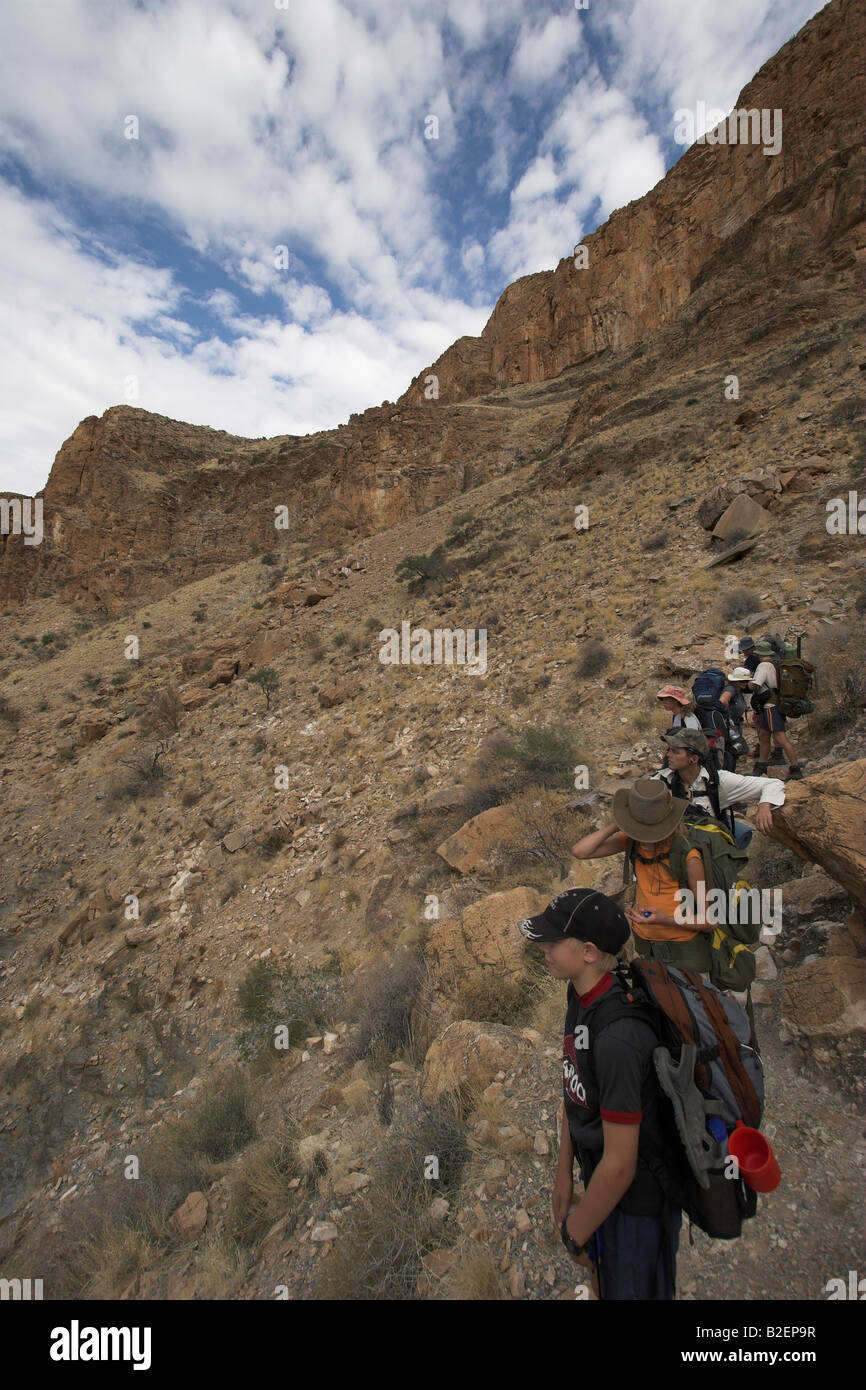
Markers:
{"x": 731, "y": 248}
{"x": 138, "y": 504}
{"x": 720, "y": 206}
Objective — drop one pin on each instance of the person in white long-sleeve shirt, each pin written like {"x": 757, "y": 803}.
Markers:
{"x": 687, "y": 778}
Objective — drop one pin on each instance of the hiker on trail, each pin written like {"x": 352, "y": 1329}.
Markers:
{"x": 679, "y": 704}
{"x": 649, "y": 814}
{"x": 690, "y": 777}
{"x": 772, "y": 725}
{"x": 623, "y": 1226}
{"x": 747, "y": 652}
{"x": 735, "y": 696}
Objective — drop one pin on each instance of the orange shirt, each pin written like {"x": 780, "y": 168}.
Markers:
{"x": 657, "y": 888}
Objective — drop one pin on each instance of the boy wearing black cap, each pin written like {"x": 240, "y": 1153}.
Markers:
{"x": 611, "y": 1123}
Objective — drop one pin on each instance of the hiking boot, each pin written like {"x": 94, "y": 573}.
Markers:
{"x": 777, "y": 756}
{"x": 794, "y": 772}
{"x": 759, "y": 770}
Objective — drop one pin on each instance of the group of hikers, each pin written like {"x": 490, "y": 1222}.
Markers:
{"x": 650, "y": 1125}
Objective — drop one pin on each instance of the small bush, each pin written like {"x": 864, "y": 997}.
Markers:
{"x": 123, "y": 1228}
{"x": 542, "y": 753}
{"x": 737, "y": 604}
{"x": 146, "y": 776}
{"x": 417, "y": 570}
{"x": 381, "y": 1005}
{"x": 543, "y": 833}
{"x": 486, "y": 997}
{"x": 390, "y": 1229}
{"x": 220, "y": 1123}
{"x": 657, "y": 540}
{"x": 8, "y": 713}
{"x": 593, "y": 659}
{"x": 258, "y": 1194}
{"x": 851, "y": 409}
{"x": 164, "y": 709}
{"x": 268, "y": 682}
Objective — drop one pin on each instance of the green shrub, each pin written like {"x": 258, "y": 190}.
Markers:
{"x": 541, "y": 753}
{"x": 268, "y": 682}
{"x": 417, "y": 570}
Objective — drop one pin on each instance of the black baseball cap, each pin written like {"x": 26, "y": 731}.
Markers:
{"x": 582, "y": 914}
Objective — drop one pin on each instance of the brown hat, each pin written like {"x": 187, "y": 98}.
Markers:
{"x": 647, "y": 811}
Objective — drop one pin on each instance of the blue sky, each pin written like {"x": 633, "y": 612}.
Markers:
{"x": 145, "y": 270}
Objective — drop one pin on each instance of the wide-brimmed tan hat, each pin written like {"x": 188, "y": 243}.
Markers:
{"x": 647, "y": 811}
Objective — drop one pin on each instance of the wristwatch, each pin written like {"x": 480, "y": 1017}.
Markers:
{"x": 570, "y": 1243}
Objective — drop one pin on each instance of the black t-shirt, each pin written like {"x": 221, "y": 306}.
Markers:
{"x": 612, "y": 1079}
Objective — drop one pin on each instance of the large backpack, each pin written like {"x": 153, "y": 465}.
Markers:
{"x": 708, "y": 1068}
{"x": 732, "y": 958}
{"x": 795, "y": 677}
{"x": 706, "y": 692}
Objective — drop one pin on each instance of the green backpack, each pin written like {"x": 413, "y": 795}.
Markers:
{"x": 732, "y": 947}
{"x": 795, "y": 677}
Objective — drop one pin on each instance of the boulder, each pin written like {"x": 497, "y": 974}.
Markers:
{"x": 733, "y": 552}
{"x": 195, "y": 697}
{"x": 825, "y": 997}
{"x": 200, "y": 657}
{"x": 808, "y": 898}
{"x": 339, "y": 693}
{"x": 236, "y": 839}
{"x": 223, "y": 671}
{"x": 316, "y": 592}
{"x": 466, "y": 1057}
{"x": 712, "y": 507}
{"x": 485, "y": 937}
{"x": 287, "y": 595}
{"x": 824, "y": 821}
{"x": 470, "y": 848}
{"x": 89, "y": 730}
{"x": 263, "y": 650}
{"x": 191, "y": 1216}
{"x": 741, "y": 519}
{"x": 447, "y": 798}
{"x": 139, "y": 936}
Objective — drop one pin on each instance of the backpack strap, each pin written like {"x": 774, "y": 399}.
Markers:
{"x": 668, "y": 998}
{"x": 628, "y": 862}
{"x": 729, "y": 1053}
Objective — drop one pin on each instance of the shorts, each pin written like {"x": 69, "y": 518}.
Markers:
{"x": 632, "y": 1261}
{"x": 771, "y": 721}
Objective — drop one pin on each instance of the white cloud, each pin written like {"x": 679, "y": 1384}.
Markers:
{"x": 71, "y": 336}
{"x": 304, "y": 128}
{"x": 540, "y": 53}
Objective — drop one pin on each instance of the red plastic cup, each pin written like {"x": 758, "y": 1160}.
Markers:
{"x": 756, "y": 1159}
